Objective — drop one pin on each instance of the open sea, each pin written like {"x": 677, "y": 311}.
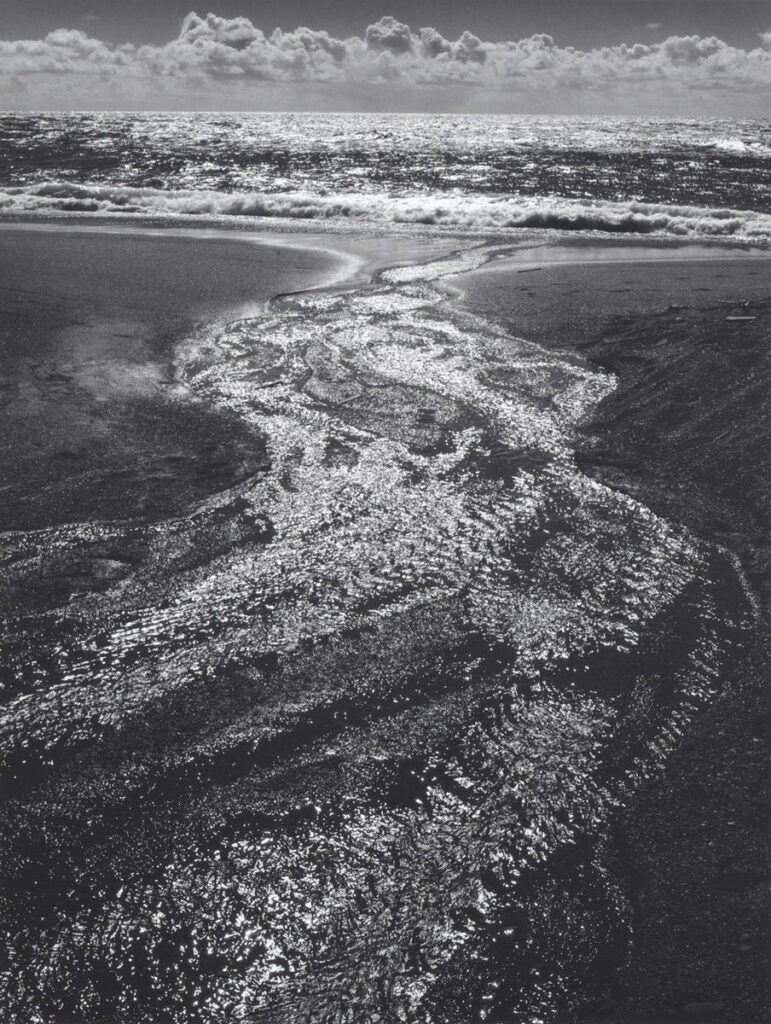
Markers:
{"x": 339, "y": 732}
{"x": 692, "y": 178}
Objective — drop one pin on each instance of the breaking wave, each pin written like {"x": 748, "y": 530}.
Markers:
{"x": 456, "y": 212}
{"x": 739, "y": 147}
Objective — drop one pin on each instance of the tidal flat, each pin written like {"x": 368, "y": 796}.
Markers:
{"x": 351, "y": 626}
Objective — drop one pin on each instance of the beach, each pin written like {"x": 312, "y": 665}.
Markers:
{"x": 687, "y": 432}
{"x": 568, "y": 295}
{"x": 340, "y": 607}
{"x": 94, "y": 421}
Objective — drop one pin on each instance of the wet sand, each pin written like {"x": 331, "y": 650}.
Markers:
{"x": 563, "y": 295}
{"x": 326, "y": 658}
{"x": 687, "y": 432}
{"x": 94, "y": 423}
{"x": 688, "y": 339}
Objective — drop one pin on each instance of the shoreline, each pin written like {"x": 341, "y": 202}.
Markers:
{"x": 341, "y": 228}
{"x": 87, "y": 342}
{"x": 362, "y": 253}
{"x": 590, "y": 253}
{"x": 367, "y": 251}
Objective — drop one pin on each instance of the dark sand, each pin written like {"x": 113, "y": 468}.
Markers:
{"x": 688, "y": 433}
{"x": 565, "y": 301}
{"x": 93, "y": 424}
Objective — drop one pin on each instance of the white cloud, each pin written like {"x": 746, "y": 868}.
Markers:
{"x": 217, "y": 61}
{"x": 389, "y": 34}
{"x": 653, "y": 25}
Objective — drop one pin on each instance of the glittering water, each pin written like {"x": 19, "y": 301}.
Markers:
{"x": 344, "y": 743}
{"x": 695, "y": 178}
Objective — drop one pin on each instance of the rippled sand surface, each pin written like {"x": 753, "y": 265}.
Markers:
{"x": 345, "y": 741}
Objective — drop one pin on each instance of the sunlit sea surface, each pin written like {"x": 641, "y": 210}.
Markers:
{"x": 345, "y": 741}
{"x": 696, "y": 178}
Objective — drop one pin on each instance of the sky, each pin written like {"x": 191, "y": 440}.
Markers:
{"x": 687, "y": 57}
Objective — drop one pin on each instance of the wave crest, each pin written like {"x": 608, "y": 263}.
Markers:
{"x": 456, "y": 212}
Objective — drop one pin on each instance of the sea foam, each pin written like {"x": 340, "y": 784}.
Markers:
{"x": 455, "y": 212}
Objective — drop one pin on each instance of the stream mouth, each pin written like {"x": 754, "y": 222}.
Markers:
{"x": 367, "y": 712}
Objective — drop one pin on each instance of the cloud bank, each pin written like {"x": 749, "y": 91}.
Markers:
{"x": 214, "y": 60}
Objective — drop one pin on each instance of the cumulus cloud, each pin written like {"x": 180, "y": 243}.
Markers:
{"x": 389, "y": 34}
{"x": 389, "y": 60}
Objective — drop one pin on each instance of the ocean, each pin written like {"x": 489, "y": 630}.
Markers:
{"x": 343, "y": 732}
{"x": 708, "y": 179}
